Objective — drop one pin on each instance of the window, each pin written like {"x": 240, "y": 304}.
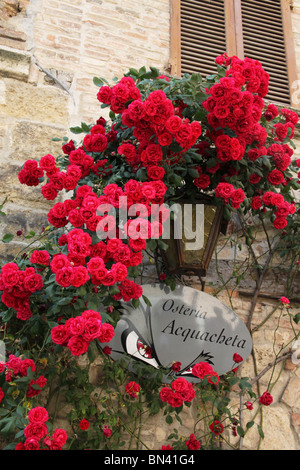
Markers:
{"x": 261, "y": 29}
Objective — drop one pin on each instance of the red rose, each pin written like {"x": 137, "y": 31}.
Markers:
{"x": 31, "y": 444}
{"x": 92, "y": 328}
{"x": 175, "y": 399}
{"x": 256, "y": 202}
{"x": 40, "y": 257}
{"x": 280, "y": 223}
{"x": 95, "y": 142}
{"x": 60, "y": 334}
{"x": 49, "y": 192}
{"x": 237, "y": 197}
{"x": 180, "y": 384}
{"x": 33, "y": 282}
{"x": 266, "y": 399}
{"x": 192, "y": 443}
{"x": 38, "y": 415}
{"x": 25, "y": 364}
{"x": 164, "y": 394}
{"x": 67, "y": 148}
{"x": 202, "y": 369}
{"x": 107, "y": 431}
{"x": 106, "y": 333}
{"x": 275, "y": 177}
{"x": 60, "y": 436}
{"x": 37, "y": 430}
{"x": 224, "y": 190}
{"x": 176, "y": 366}
{"x": 84, "y": 424}
{"x": 237, "y": 358}
{"x": 47, "y": 162}
{"x": 78, "y": 345}
{"x": 104, "y": 94}
{"x": 64, "y": 276}
{"x": 173, "y": 124}
{"x": 155, "y": 172}
{"x": 132, "y": 388}
{"x": 128, "y": 150}
{"x": 202, "y": 181}
{"x": 216, "y": 427}
{"x": 79, "y": 276}
{"x": 1, "y": 394}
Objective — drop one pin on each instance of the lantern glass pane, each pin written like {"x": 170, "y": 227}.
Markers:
{"x": 188, "y": 249}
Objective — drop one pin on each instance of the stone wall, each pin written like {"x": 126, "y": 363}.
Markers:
{"x": 50, "y": 50}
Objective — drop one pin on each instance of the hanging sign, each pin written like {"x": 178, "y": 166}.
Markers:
{"x": 184, "y": 325}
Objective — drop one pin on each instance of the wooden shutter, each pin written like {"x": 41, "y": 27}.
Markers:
{"x": 263, "y": 39}
{"x": 203, "y": 35}
{"x": 261, "y": 29}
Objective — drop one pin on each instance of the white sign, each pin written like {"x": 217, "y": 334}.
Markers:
{"x": 184, "y": 325}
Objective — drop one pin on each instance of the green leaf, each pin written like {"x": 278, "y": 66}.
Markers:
{"x": 193, "y": 172}
{"x": 297, "y": 318}
{"x": 147, "y": 301}
{"x": 7, "y": 237}
{"x": 85, "y": 127}
{"x": 240, "y": 431}
{"x": 76, "y": 130}
{"x": 169, "y": 419}
{"x": 164, "y": 246}
{"x": 260, "y": 431}
{"x": 135, "y": 303}
{"x": 99, "y": 81}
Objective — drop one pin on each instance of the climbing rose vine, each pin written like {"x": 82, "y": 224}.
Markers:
{"x": 164, "y": 138}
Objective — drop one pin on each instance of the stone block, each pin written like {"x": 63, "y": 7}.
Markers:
{"x": 32, "y": 141}
{"x": 41, "y": 104}
{"x": 14, "y": 63}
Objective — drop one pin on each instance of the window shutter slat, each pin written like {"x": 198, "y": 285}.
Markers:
{"x": 263, "y": 39}
{"x": 203, "y": 35}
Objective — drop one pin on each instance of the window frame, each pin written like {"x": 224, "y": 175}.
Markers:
{"x": 234, "y": 39}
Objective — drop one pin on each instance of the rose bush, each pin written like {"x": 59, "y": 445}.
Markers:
{"x": 165, "y": 138}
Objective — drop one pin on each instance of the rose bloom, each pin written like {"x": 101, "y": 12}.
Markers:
{"x": 237, "y": 358}
{"x": 84, "y": 424}
{"x": 60, "y": 334}
{"x": 192, "y": 443}
{"x": 92, "y": 329}
{"x": 35, "y": 430}
{"x": 175, "y": 399}
{"x": 280, "y": 223}
{"x": 107, "y": 350}
{"x": 25, "y": 364}
{"x": 180, "y": 384}
{"x": 38, "y": 415}
{"x": 106, "y": 431}
{"x": 132, "y": 388}
{"x": 202, "y": 369}
{"x": 266, "y": 399}
{"x": 77, "y": 345}
{"x": 106, "y": 333}
{"x": 216, "y": 427}
{"x": 1, "y": 394}
{"x": 40, "y": 257}
{"x": 249, "y": 405}
{"x": 284, "y": 300}
{"x": 164, "y": 394}
{"x": 168, "y": 447}
{"x": 31, "y": 444}
{"x": 176, "y": 366}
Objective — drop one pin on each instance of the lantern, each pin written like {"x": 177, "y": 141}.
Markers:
{"x": 200, "y": 223}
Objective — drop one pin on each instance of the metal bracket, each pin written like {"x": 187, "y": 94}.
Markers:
{"x": 296, "y": 352}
